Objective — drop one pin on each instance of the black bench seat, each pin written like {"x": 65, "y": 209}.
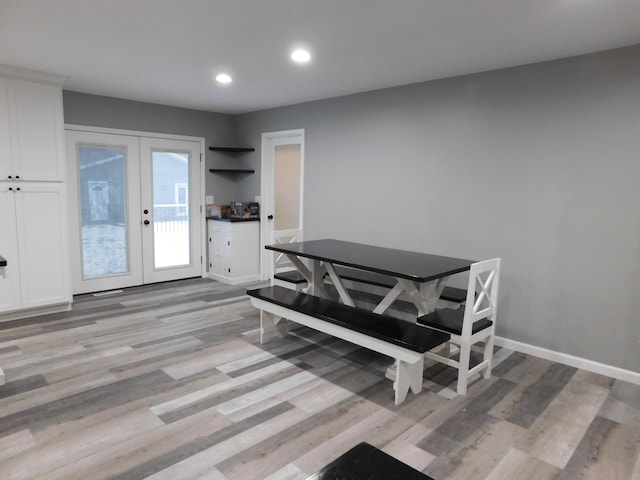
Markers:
{"x": 404, "y": 341}
{"x": 451, "y": 294}
{"x": 291, "y": 276}
{"x": 384, "y": 327}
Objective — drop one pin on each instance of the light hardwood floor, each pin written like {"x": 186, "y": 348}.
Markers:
{"x": 170, "y": 382}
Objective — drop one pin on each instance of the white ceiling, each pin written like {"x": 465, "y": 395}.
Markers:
{"x": 168, "y": 51}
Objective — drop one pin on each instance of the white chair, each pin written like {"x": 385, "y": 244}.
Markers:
{"x": 285, "y": 273}
{"x": 471, "y": 324}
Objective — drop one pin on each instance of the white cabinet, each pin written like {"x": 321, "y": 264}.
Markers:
{"x": 32, "y": 131}
{"x": 34, "y": 246}
{"x": 33, "y": 205}
{"x": 10, "y": 274}
{"x": 234, "y": 249}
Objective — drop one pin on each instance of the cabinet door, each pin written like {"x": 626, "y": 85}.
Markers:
{"x": 43, "y": 252}
{"x": 9, "y": 275}
{"x": 5, "y": 133}
{"x": 221, "y": 253}
{"x": 244, "y": 249}
{"x": 37, "y": 131}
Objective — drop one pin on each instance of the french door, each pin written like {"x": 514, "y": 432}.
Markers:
{"x": 135, "y": 209}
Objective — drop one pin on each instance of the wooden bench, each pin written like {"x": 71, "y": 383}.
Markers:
{"x": 362, "y": 280}
{"x": 292, "y": 276}
{"x": 450, "y": 294}
{"x": 403, "y": 341}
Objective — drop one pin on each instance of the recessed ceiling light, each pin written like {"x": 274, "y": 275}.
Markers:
{"x": 223, "y": 78}
{"x": 300, "y": 56}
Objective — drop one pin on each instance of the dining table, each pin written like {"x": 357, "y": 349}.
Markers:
{"x": 419, "y": 277}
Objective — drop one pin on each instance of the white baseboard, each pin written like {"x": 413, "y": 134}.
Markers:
{"x": 33, "y": 312}
{"x": 572, "y": 361}
{"x": 235, "y": 280}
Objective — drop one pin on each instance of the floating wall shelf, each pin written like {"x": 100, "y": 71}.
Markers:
{"x": 231, "y": 170}
{"x": 232, "y": 149}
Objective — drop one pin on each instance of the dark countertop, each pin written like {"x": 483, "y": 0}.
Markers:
{"x": 366, "y": 462}
{"x": 3, "y": 262}
{"x": 232, "y": 220}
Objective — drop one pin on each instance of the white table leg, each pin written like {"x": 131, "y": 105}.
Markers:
{"x": 343, "y": 293}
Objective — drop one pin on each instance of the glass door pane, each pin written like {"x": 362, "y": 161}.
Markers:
{"x": 103, "y": 216}
{"x": 287, "y": 187}
{"x": 171, "y": 233}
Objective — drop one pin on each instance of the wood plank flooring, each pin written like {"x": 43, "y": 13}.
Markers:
{"x": 169, "y": 381}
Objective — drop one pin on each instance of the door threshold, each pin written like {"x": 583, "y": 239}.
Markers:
{"x": 110, "y": 292}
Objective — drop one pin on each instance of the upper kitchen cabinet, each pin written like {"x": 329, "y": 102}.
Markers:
{"x": 31, "y": 126}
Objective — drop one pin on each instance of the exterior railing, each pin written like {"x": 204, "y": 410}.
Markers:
{"x": 171, "y": 217}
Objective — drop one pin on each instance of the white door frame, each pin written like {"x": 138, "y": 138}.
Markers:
{"x": 270, "y": 140}
{"x": 201, "y": 197}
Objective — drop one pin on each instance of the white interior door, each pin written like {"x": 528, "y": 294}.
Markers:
{"x": 135, "y": 209}
{"x": 282, "y": 188}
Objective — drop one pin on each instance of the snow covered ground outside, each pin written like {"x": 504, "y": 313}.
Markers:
{"x": 105, "y": 253}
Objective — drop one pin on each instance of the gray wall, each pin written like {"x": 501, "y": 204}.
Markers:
{"x": 216, "y": 128}
{"x": 537, "y": 164}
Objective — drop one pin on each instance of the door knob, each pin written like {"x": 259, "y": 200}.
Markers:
{"x": 146, "y": 211}
{"x": 146, "y": 222}
{"x": 270, "y": 217}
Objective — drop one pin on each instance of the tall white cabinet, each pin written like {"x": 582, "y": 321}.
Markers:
{"x": 33, "y": 195}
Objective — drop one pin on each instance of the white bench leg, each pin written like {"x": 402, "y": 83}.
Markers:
{"x": 408, "y": 376}
{"x": 271, "y": 326}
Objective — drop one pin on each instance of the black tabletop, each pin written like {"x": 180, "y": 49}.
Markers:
{"x": 366, "y": 462}
{"x": 3, "y": 262}
{"x": 420, "y": 267}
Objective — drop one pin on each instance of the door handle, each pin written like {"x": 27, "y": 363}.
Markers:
{"x": 270, "y": 217}
{"x": 146, "y": 222}
{"x": 146, "y": 211}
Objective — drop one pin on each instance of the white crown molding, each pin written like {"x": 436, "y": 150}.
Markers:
{"x": 17, "y": 73}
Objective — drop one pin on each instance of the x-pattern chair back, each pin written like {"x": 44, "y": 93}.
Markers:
{"x": 280, "y": 237}
{"x": 482, "y": 293}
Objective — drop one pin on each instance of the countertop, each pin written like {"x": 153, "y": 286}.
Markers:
{"x": 232, "y": 220}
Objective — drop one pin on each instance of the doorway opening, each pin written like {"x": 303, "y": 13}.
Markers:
{"x": 282, "y": 190}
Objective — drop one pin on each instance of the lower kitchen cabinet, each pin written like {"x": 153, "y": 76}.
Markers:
{"x": 33, "y": 241}
{"x": 234, "y": 248}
